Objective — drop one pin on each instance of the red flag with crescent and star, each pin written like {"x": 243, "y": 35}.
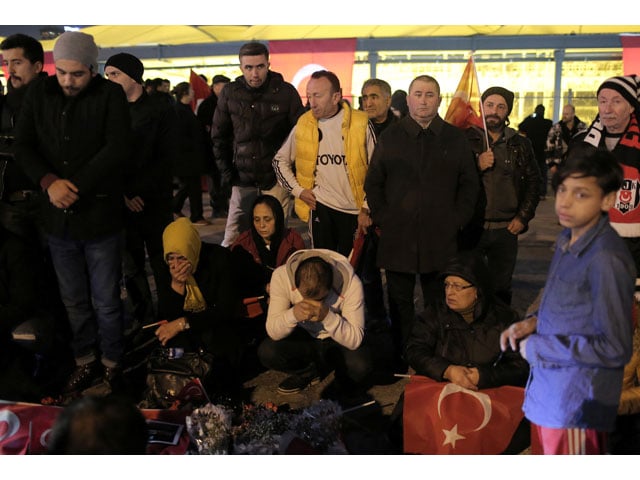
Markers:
{"x": 464, "y": 110}
{"x": 25, "y": 428}
{"x": 296, "y": 60}
{"x": 444, "y": 418}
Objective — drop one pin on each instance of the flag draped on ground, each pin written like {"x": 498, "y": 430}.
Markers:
{"x": 464, "y": 110}
{"x": 445, "y": 418}
{"x": 25, "y": 428}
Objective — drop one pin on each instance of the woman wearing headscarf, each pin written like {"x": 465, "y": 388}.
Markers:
{"x": 264, "y": 247}
{"x": 194, "y": 295}
{"x": 458, "y": 338}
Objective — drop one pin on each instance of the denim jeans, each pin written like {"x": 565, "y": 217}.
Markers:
{"x": 240, "y": 214}
{"x": 89, "y": 272}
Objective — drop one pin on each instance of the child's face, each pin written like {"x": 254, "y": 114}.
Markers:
{"x": 579, "y": 202}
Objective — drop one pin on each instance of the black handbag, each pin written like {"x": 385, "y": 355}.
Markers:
{"x": 168, "y": 372}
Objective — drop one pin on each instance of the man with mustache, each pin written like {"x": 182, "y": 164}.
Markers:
{"x": 511, "y": 189}
{"x": 23, "y": 56}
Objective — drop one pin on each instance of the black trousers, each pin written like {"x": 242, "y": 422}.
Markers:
{"x": 300, "y": 352}
{"x": 332, "y": 229}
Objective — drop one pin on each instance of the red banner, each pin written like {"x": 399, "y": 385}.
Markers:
{"x": 630, "y": 54}
{"x": 296, "y": 60}
{"x": 464, "y": 110}
{"x": 444, "y": 418}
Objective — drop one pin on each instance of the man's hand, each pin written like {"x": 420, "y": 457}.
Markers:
{"x": 62, "y": 193}
{"x": 517, "y": 331}
{"x": 463, "y": 376}
{"x": 135, "y": 204}
{"x": 485, "y": 160}
{"x": 309, "y": 198}
{"x": 515, "y": 226}
{"x": 310, "y": 311}
{"x": 364, "y": 221}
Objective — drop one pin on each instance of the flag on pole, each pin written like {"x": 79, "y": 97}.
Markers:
{"x": 464, "y": 110}
{"x": 200, "y": 90}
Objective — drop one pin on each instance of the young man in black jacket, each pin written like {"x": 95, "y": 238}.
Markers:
{"x": 254, "y": 116}
{"x": 72, "y": 139}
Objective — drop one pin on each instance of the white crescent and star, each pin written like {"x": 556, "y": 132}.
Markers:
{"x": 305, "y": 72}
{"x": 452, "y": 436}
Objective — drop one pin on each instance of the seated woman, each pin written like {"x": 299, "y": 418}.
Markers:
{"x": 264, "y": 247}
{"x": 458, "y": 338}
{"x": 195, "y": 298}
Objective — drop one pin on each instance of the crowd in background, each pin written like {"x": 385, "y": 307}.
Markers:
{"x": 102, "y": 268}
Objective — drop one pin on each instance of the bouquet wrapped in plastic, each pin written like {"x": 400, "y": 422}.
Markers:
{"x": 210, "y": 429}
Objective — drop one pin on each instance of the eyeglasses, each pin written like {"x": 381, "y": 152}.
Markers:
{"x": 456, "y": 287}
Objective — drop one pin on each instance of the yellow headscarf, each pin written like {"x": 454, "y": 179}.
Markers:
{"x": 181, "y": 237}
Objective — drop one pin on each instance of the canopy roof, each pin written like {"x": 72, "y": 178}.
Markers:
{"x": 113, "y": 36}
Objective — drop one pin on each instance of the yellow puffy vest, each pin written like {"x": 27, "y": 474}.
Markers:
{"x": 354, "y": 134}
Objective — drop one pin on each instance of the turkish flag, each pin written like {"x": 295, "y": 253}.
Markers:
{"x": 463, "y": 111}
{"x": 200, "y": 90}
{"x": 445, "y": 418}
{"x": 296, "y": 60}
{"x": 25, "y": 428}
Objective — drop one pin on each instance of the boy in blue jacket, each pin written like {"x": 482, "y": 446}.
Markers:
{"x": 579, "y": 340}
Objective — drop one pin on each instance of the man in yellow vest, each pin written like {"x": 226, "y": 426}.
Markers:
{"x": 330, "y": 147}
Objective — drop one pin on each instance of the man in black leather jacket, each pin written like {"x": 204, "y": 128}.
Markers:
{"x": 511, "y": 184}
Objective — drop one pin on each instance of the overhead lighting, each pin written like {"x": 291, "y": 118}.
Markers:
{"x": 51, "y": 32}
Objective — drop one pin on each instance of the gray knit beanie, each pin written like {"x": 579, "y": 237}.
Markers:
{"x": 77, "y": 46}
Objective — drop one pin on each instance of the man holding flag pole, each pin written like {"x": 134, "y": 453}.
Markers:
{"x": 509, "y": 176}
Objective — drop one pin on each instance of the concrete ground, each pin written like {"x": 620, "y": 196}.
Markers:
{"x": 535, "y": 252}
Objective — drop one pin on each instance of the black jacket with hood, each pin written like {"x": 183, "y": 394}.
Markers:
{"x": 441, "y": 337}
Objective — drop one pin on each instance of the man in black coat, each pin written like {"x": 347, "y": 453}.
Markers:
{"x": 536, "y": 128}
{"x": 254, "y": 116}
{"x": 148, "y": 181}
{"x": 72, "y": 139}
{"x": 421, "y": 187}
{"x": 19, "y": 197}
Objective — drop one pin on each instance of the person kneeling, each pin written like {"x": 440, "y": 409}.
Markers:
{"x": 315, "y": 323}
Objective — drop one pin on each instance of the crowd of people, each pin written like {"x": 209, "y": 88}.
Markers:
{"x": 95, "y": 172}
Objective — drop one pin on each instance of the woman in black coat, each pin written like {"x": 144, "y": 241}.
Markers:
{"x": 458, "y": 338}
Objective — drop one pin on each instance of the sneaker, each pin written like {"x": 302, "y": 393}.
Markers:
{"x": 82, "y": 377}
{"x": 297, "y": 383}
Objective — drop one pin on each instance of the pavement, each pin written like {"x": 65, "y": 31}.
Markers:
{"x": 534, "y": 256}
